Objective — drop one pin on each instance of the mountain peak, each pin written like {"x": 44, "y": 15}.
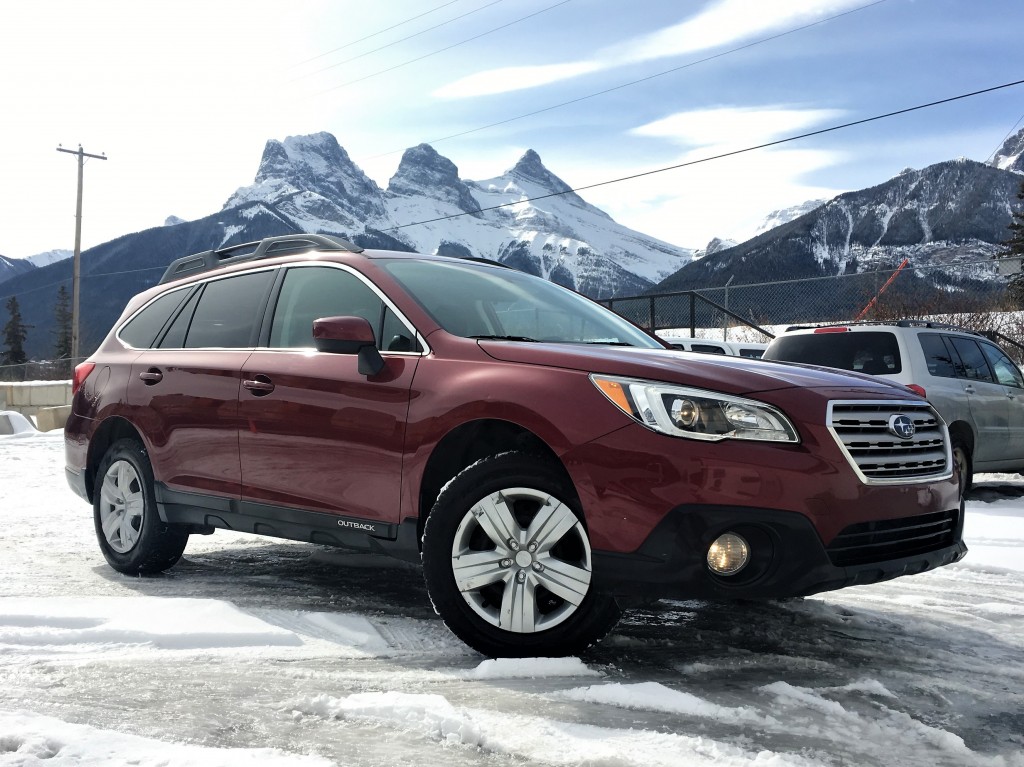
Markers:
{"x": 531, "y": 167}
{"x": 1011, "y": 154}
{"x": 316, "y": 164}
{"x": 426, "y": 173}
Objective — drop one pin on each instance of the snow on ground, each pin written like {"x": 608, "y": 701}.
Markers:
{"x": 257, "y": 651}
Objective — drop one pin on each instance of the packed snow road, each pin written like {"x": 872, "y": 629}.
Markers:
{"x": 259, "y": 651}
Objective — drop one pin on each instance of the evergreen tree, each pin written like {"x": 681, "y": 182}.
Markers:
{"x": 15, "y": 333}
{"x": 62, "y": 320}
{"x": 1014, "y": 248}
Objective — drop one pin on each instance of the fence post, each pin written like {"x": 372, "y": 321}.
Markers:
{"x": 651, "y": 313}
{"x": 693, "y": 315}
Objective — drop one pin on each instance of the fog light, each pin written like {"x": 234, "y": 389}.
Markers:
{"x": 728, "y": 554}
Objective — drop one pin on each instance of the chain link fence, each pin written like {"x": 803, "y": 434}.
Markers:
{"x": 47, "y": 370}
{"x": 970, "y": 294}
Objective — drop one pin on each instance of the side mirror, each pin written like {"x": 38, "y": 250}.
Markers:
{"x": 349, "y": 335}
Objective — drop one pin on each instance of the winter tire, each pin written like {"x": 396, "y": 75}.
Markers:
{"x": 131, "y": 535}
{"x": 508, "y": 564}
{"x": 962, "y": 459}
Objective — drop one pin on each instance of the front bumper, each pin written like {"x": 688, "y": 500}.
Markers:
{"x": 76, "y": 481}
{"x": 788, "y": 558}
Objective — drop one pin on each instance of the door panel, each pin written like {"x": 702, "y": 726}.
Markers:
{"x": 322, "y": 436}
{"x": 186, "y": 402}
{"x": 987, "y": 399}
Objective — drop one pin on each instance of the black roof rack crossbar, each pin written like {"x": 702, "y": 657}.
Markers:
{"x": 208, "y": 260}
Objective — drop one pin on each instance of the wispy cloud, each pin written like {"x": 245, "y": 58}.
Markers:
{"x": 729, "y": 197}
{"x": 514, "y": 79}
{"x": 723, "y": 22}
{"x": 728, "y": 128}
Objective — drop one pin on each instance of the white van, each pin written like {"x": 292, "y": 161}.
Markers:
{"x": 710, "y": 346}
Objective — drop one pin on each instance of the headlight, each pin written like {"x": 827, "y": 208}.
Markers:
{"x": 694, "y": 413}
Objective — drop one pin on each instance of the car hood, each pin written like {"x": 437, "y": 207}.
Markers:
{"x": 730, "y": 375}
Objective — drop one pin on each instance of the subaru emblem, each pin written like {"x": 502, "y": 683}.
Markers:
{"x": 901, "y": 426}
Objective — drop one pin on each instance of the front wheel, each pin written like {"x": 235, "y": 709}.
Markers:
{"x": 131, "y": 535}
{"x": 508, "y": 564}
{"x": 962, "y": 459}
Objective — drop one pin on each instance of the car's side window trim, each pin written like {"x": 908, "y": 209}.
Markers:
{"x": 388, "y": 304}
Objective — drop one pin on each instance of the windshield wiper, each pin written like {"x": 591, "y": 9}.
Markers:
{"x": 608, "y": 343}
{"x": 506, "y": 338}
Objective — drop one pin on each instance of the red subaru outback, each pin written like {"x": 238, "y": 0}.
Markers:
{"x": 547, "y": 461}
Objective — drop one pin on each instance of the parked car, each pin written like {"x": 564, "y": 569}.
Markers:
{"x": 749, "y": 349}
{"x": 971, "y": 382}
{"x": 546, "y": 460}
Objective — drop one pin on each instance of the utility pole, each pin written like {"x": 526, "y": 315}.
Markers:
{"x": 75, "y": 291}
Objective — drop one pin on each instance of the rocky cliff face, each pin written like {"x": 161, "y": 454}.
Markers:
{"x": 1011, "y": 155}
{"x": 425, "y": 173}
{"x": 951, "y": 211}
{"x": 312, "y": 180}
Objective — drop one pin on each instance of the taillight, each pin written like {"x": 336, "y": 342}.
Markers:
{"x": 82, "y": 371}
{"x": 917, "y": 390}
{"x": 832, "y": 330}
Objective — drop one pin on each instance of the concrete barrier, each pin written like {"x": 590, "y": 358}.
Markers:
{"x": 30, "y": 397}
{"x": 50, "y": 418}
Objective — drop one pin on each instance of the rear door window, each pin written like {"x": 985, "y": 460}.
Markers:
{"x": 975, "y": 366}
{"x": 941, "y": 358}
{"x": 226, "y": 316}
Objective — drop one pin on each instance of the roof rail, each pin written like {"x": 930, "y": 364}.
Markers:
{"x": 898, "y": 323}
{"x": 268, "y": 247}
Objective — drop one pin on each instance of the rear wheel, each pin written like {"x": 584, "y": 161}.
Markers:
{"x": 508, "y": 564}
{"x": 131, "y": 535}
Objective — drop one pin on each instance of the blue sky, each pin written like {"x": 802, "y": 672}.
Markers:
{"x": 183, "y": 97}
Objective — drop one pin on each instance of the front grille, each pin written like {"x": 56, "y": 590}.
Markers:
{"x": 869, "y": 542}
{"x": 862, "y": 430}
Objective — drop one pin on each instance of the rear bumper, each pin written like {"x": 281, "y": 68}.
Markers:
{"x": 788, "y": 558}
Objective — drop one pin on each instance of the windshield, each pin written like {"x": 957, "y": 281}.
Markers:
{"x": 478, "y": 301}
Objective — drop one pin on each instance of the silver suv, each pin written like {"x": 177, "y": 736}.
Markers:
{"x": 970, "y": 381}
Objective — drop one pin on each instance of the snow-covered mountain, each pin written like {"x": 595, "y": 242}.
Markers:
{"x": 311, "y": 184}
{"x": 947, "y": 213}
{"x": 12, "y": 267}
{"x": 785, "y": 215}
{"x": 50, "y": 257}
{"x": 1011, "y": 155}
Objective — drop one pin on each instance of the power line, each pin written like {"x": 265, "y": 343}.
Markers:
{"x": 717, "y": 156}
{"x": 704, "y": 60}
{"x": 85, "y": 277}
{"x": 446, "y": 48}
{"x": 374, "y": 34}
{"x": 396, "y": 42}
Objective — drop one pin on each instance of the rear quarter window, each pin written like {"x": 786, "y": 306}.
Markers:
{"x": 141, "y": 330}
{"x": 872, "y": 352}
